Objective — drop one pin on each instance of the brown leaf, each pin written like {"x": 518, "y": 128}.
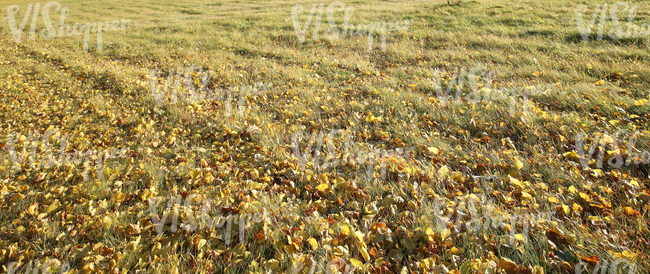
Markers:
{"x": 556, "y": 237}
{"x": 509, "y": 266}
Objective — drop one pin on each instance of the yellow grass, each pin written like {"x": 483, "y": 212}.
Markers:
{"x": 512, "y": 152}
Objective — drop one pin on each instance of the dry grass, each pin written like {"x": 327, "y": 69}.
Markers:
{"x": 384, "y": 99}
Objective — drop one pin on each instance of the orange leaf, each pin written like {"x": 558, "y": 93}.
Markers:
{"x": 377, "y": 226}
{"x": 593, "y": 259}
{"x": 630, "y": 212}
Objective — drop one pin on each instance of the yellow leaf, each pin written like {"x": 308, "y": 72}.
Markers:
{"x": 273, "y": 265}
{"x": 572, "y": 155}
{"x": 364, "y": 254}
{"x": 469, "y": 267}
{"x": 577, "y": 208}
{"x": 443, "y": 172}
{"x": 520, "y": 237}
{"x": 346, "y": 230}
{"x": 118, "y": 197}
{"x": 202, "y": 243}
{"x": 428, "y": 262}
{"x": 408, "y": 243}
{"x": 255, "y": 174}
{"x": 554, "y": 200}
{"x": 323, "y": 177}
{"x": 566, "y": 209}
{"x": 51, "y": 207}
{"x": 600, "y": 82}
{"x": 16, "y": 198}
{"x": 355, "y": 262}
{"x": 313, "y": 243}
{"x": 518, "y": 163}
{"x": 444, "y": 233}
{"x": 572, "y": 189}
{"x": 325, "y": 187}
{"x": 517, "y": 184}
{"x": 454, "y": 251}
{"x": 629, "y": 255}
{"x": 358, "y": 237}
{"x": 340, "y": 251}
{"x": 32, "y": 209}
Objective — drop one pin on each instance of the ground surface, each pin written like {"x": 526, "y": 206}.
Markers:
{"x": 423, "y": 184}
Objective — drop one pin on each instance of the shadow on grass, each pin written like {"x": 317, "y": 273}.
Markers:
{"x": 593, "y": 37}
{"x": 542, "y": 33}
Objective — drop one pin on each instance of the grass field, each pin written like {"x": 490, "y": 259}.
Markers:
{"x": 307, "y": 154}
